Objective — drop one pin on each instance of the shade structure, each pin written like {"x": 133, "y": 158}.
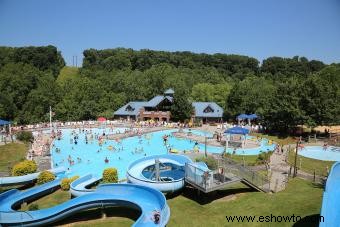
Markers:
{"x": 252, "y": 116}
{"x": 242, "y": 116}
{"x": 237, "y": 130}
{"x": 246, "y": 116}
{"x": 3, "y": 122}
{"x": 101, "y": 119}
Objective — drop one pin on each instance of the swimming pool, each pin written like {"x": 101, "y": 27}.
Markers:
{"x": 318, "y": 152}
{"x": 90, "y": 157}
{"x": 87, "y": 159}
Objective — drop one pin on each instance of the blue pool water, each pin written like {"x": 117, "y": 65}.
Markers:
{"x": 87, "y": 159}
{"x": 318, "y": 152}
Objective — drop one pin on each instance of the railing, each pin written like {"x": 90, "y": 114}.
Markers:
{"x": 245, "y": 173}
{"x": 199, "y": 176}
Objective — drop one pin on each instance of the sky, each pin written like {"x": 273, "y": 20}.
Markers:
{"x": 256, "y": 28}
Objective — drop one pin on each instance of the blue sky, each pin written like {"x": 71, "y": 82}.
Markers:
{"x": 257, "y": 28}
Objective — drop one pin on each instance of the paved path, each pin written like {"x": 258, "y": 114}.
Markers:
{"x": 279, "y": 170}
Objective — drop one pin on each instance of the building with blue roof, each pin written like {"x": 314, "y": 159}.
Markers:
{"x": 207, "y": 112}
{"x": 158, "y": 108}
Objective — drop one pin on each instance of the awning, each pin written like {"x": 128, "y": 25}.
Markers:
{"x": 3, "y": 122}
{"x": 237, "y": 130}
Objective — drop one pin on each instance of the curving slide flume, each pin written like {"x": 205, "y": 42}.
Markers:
{"x": 17, "y": 180}
{"x": 171, "y": 176}
{"x": 330, "y": 210}
{"x": 149, "y": 201}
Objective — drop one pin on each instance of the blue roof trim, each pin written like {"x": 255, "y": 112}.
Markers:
{"x": 135, "y": 108}
{"x": 201, "y": 106}
{"x": 169, "y": 91}
{"x": 157, "y": 100}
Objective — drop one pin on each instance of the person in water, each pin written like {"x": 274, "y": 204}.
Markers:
{"x": 106, "y": 160}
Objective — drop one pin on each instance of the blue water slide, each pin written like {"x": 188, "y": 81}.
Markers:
{"x": 149, "y": 201}
{"x": 9, "y": 181}
{"x": 79, "y": 186}
{"x": 330, "y": 209}
{"x": 174, "y": 178}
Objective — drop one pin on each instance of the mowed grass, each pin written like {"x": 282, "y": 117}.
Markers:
{"x": 280, "y": 140}
{"x": 249, "y": 160}
{"x": 10, "y": 154}
{"x": 67, "y": 73}
{"x": 310, "y": 165}
{"x": 301, "y": 198}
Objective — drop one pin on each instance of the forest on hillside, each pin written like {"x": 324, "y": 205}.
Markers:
{"x": 285, "y": 92}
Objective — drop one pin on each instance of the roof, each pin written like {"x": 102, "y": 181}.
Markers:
{"x": 237, "y": 130}
{"x": 157, "y": 100}
{"x": 200, "y": 107}
{"x": 3, "y": 122}
{"x": 169, "y": 91}
{"x": 131, "y": 108}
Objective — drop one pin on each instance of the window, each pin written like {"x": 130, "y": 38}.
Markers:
{"x": 208, "y": 109}
{"x": 129, "y": 108}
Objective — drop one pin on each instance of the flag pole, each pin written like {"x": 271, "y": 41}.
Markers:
{"x": 51, "y": 118}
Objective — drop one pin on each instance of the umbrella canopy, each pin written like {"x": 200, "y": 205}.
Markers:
{"x": 101, "y": 119}
{"x": 242, "y": 116}
{"x": 237, "y": 130}
{"x": 252, "y": 116}
{"x": 3, "y": 122}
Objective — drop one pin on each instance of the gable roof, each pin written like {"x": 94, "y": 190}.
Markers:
{"x": 134, "y": 108}
{"x": 157, "y": 100}
{"x": 201, "y": 106}
{"x": 169, "y": 91}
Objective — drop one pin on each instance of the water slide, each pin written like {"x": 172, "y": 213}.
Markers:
{"x": 149, "y": 201}
{"x": 9, "y": 181}
{"x": 170, "y": 180}
{"x": 330, "y": 209}
{"x": 79, "y": 186}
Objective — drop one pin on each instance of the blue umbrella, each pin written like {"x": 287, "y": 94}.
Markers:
{"x": 242, "y": 116}
{"x": 3, "y": 122}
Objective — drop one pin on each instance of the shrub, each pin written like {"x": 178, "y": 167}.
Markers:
{"x": 210, "y": 161}
{"x": 24, "y": 167}
{"x": 66, "y": 182}
{"x": 44, "y": 177}
{"x": 110, "y": 175}
{"x": 263, "y": 157}
{"x": 25, "y": 136}
{"x": 33, "y": 206}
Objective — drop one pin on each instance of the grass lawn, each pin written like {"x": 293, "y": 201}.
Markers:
{"x": 187, "y": 209}
{"x": 67, "y": 73}
{"x": 249, "y": 160}
{"x": 281, "y": 141}
{"x": 309, "y": 165}
{"x": 10, "y": 154}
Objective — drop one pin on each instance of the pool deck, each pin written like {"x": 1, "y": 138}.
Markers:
{"x": 120, "y": 136}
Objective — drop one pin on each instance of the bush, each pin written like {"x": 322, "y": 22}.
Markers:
{"x": 44, "y": 177}
{"x": 110, "y": 175}
{"x": 25, "y": 136}
{"x": 24, "y": 167}
{"x": 65, "y": 183}
{"x": 264, "y": 157}
{"x": 210, "y": 161}
{"x": 33, "y": 206}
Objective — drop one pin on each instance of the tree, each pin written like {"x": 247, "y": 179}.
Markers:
{"x": 181, "y": 108}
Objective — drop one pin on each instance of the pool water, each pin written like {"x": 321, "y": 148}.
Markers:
{"x": 318, "y": 152}
{"x": 90, "y": 157}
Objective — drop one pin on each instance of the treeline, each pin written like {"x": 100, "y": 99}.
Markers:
{"x": 284, "y": 91}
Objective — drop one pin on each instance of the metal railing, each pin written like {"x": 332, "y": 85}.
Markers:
{"x": 200, "y": 177}
{"x": 248, "y": 175}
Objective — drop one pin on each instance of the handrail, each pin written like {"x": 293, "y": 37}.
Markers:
{"x": 246, "y": 173}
